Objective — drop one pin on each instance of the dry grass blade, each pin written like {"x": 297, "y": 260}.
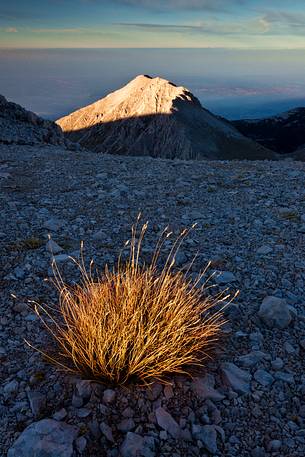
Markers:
{"x": 135, "y": 322}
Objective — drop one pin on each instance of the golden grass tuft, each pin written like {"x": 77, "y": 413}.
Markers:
{"x": 135, "y": 322}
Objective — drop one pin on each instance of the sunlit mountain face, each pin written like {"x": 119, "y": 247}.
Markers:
{"x": 232, "y": 83}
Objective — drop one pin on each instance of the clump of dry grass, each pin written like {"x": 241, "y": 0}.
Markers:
{"x": 136, "y": 321}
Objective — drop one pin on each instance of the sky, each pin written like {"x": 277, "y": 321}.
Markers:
{"x": 246, "y": 24}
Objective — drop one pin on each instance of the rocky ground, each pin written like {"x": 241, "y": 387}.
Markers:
{"x": 249, "y": 401}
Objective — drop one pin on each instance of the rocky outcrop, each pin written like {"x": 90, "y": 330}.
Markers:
{"x": 19, "y": 126}
{"x": 152, "y": 116}
{"x": 284, "y": 133}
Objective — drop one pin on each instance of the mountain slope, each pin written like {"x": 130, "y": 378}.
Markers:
{"x": 19, "y": 126}
{"x": 152, "y": 116}
{"x": 284, "y": 133}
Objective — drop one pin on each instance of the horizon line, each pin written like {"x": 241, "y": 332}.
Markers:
{"x": 11, "y": 48}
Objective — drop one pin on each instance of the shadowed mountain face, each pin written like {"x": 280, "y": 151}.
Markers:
{"x": 19, "y": 126}
{"x": 151, "y": 116}
{"x": 284, "y": 133}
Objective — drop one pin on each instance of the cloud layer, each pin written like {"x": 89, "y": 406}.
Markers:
{"x": 153, "y": 23}
{"x": 210, "y": 5}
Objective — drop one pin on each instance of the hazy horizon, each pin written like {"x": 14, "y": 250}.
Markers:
{"x": 241, "y": 58}
{"x": 231, "y": 83}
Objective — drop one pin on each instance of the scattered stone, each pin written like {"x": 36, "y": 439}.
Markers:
{"x": 204, "y": 388}
{"x": 285, "y": 377}
{"x": 108, "y": 396}
{"x": 83, "y": 412}
{"x": 224, "y": 277}
{"x": 54, "y": 225}
{"x": 128, "y": 412}
{"x": 275, "y": 445}
{"x": 77, "y": 401}
{"x": 258, "y": 452}
{"x": 302, "y": 344}
{"x": 274, "y": 312}
{"x": 263, "y": 377}
{"x": 60, "y": 258}
{"x": 289, "y": 348}
{"x": 2, "y": 353}
{"x": 60, "y": 415}
{"x": 166, "y": 421}
{"x": 168, "y": 392}
{"x": 53, "y": 247}
{"x": 154, "y": 391}
{"x": 106, "y": 431}
{"x": 37, "y": 402}
{"x": 126, "y": 425}
{"x": 237, "y": 379}
{"x": 135, "y": 445}
{"x": 163, "y": 435}
{"x": 100, "y": 236}
{"x": 264, "y": 250}
{"x": 11, "y": 388}
{"x": 251, "y": 359}
{"x": 208, "y": 435}
{"x": 277, "y": 364}
{"x": 46, "y": 438}
{"x": 81, "y": 444}
{"x": 84, "y": 389}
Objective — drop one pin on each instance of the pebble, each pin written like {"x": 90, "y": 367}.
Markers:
{"x": 11, "y": 388}
{"x": 204, "y": 388}
{"x": 46, "y": 438}
{"x": 263, "y": 377}
{"x": 285, "y": 377}
{"x": 54, "y": 225}
{"x": 237, "y": 379}
{"x": 107, "y": 431}
{"x": 84, "y": 389}
{"x": 136, "y": 445}
{"x": 53, "y": 247}
{"x": 207, "y": 435}
{"x": 60, "y": 415}
{"x": 109, "y": 396}
{"x": 275, "y": 312}
{"x": 277, "y": 364}
{"x": 224, "y": 277}
{"x": 167, "y": 422}
{"x": 37, "y": 402}
{"x": 81, "y": 444}
{"x": 275, "y": 445}
{"x": 126, "y": 425}
{"x": 264, "y": 250}
{"x": 251, "y": 359}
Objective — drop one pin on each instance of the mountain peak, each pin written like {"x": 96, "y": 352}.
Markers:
{"x": 153, "y": 116}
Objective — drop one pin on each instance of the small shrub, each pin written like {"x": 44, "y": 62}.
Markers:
{"x": 136, "y": 322}
{"x": 27, "y": 245}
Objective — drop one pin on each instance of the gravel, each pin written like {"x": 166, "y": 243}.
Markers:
{"x": 249, "y": 399}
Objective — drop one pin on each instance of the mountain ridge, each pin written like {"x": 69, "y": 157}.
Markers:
{"x": 20, "y": 126}
{"x": 283, "y": 133}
